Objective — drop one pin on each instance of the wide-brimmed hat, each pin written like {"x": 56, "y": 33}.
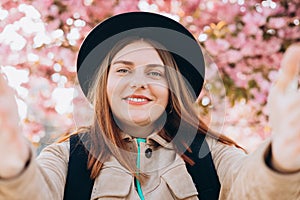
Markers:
{"x": 166, "y": 31}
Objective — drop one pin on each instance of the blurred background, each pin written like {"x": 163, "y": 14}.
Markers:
{"x": 243, "y": 41}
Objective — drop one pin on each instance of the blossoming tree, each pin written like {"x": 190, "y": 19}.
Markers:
{"x": 243, "y": 42}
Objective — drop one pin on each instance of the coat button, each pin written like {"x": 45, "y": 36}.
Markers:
{"x": 148, "y": 153}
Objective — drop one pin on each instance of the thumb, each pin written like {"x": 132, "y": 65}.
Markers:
{"x": 290, "y": 65}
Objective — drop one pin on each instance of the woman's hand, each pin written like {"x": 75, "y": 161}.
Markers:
{"x": 14, "y": 149}
{"x": 284, "y": 114}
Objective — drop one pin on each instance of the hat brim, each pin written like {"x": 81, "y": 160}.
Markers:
{"x": 171, "y": 34}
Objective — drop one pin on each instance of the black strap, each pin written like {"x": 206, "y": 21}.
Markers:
{"x": 79, "y": 185}
{"x": 203, "y": 172}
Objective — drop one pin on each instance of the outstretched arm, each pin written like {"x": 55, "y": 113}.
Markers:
{"x": 273, "y": 170}
{"x": 14, "y": 149}
{"x": 284, "y": 114}
{"x": 21, "y": 176}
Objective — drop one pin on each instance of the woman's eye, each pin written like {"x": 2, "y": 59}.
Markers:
{"x": 155, "y": 74}
{"x": 123, "y": 70}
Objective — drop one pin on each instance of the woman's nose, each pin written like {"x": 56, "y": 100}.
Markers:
{"x": 138, "y": 83}
{"x": 138, "y": 79}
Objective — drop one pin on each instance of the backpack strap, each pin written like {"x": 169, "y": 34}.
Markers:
{"x": 203, "y": 172}
{"x": 79, "y": 185}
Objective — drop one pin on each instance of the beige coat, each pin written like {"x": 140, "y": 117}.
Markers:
{"x": 241, "y": 176}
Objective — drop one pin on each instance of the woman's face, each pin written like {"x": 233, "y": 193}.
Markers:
{"x": 137, "y": 87}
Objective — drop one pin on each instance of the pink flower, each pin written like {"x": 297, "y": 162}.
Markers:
{"x": 233, "y": 28}
{"x": 281, "y": 33}
{"x": 216, "y": 46}
{"x": 230, "y": 56}
{"x": 292, "y": 33}
{"x": 233, "y": 56}
{"x": 238, "y": 41}
{"x": 53, "y": 10}
{"x": 277, "y": 23}
{"x": 227, "y": 11}
{"x": 248, "y": 49}
{"x": 239, "y": 78}
{"x": 53, "y": 25}
{"x": 259, "y": 97}
{"x": 272, "y": 46}
{"x": 254, "y": 19}
{"x": 13, "y": 16}
{"x": 99, "y": 10}
{"x": 244, "y": 67}
{"x": 125, "y": 6}
{"x": 67, "y": 57}
{"x": 43, "y": 6}
{"x": 275, "y": 59}
{"x": 7, "y": 4}
{"x": 190, "y": 6}
{"x": 163, "y": 6}
{"x": 250, "y": 29}
{"x": 33, "y": 130}
{"x": 82, "y": 111}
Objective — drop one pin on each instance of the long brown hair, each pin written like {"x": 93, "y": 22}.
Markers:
{"x": 181, "y": 125}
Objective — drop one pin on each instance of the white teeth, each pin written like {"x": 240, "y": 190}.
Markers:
{"x": 136, "y": 99}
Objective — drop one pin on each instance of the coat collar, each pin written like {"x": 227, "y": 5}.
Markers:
{"x": 153, "y": 139}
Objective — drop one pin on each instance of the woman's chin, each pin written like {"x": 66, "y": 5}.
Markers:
{"x": 142, "y": 121}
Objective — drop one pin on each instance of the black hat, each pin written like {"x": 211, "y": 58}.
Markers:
{"x": 171, "y": 34}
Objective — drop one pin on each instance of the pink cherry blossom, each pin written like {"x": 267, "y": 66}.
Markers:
{"x": 254, "y": 19}
{"x": 233, "y": 9}
{"x": 231, "y": 56}
{"x": 190, "y": 6}
{"x": 216, "y": 46}
{"x": 126, "y": 5}
{"x": 277, "y": 23}
{"x": 246, "y": 53}
{"x": 238, "y": 41}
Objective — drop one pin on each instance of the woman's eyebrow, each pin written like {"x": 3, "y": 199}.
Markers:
{"x": 123, "y": 62}
{"x": 129, "y": 63}
{"x": 155, "y": 65}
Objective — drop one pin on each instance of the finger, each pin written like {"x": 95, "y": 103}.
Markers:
{"x": 2, "y": 84}
{"x": 290, "y": 65}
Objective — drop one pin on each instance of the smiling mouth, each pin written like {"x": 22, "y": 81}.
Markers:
{"x": 135, "y": 100}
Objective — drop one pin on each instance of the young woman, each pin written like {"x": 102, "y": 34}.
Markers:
{"x": 142, "y": 73}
